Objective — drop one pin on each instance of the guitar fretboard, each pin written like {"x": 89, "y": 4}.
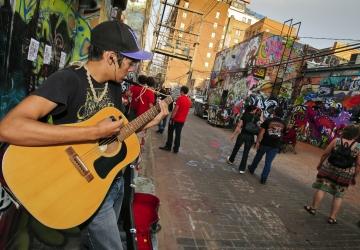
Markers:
{"x": 140, "y": 121}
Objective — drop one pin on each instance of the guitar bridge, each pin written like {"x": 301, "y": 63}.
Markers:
{"x": 79, "y": 164}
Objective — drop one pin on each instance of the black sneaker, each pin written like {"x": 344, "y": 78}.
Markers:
{"x": 228, "y": 161}
{"x": 263, "y": 181}
{"x": 250, "y": 170}
{"x": 165, "y": 148}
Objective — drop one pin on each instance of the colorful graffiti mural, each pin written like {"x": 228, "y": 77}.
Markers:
{"x": 54, "y": 25}
{"x": 250, "y": 80}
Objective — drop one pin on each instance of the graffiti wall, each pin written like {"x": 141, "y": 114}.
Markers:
{"x": 246, "y": 68}
{"x": 328, "y": 101}
{"x": 38, "y": 38}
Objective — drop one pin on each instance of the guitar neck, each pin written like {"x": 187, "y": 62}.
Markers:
{"x": 141, "y": 120}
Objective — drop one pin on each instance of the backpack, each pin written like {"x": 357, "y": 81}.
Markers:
{"x": 251, "y": 127}
{"x": 341, "y": 155}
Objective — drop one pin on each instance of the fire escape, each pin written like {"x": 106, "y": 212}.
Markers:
{"x": 171, "y": 39}
{"x": 289, "y": 41}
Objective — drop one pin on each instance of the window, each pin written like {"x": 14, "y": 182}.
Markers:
{"x": 186, "y": 5}
{"x": 206, "y": 64}
{"x": 211, "y": 45}
{"x": 180, "y": 34}
{"x": 217, "y": 15}
{"x": 249, "y": 21}
{"x": 182, "y": 26}
{"x": 212, "y": 34}
{"x": 236, "y": 40}
{"x": 237, "y": 32}
{"x": 222, "y": 37}
{"x": 184, "y": 15}
{"x": 208, "y": 55}
{"x": 215, "y": 25}
{"x": 244, "y": 19}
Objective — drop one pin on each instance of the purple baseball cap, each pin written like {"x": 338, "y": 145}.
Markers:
{"x": 118, "y": 37}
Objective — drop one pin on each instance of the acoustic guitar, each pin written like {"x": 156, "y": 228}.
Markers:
{"x": 62, "y": 186}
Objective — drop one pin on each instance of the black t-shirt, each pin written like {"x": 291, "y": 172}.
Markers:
{"x": 70, "y": 89}
{"x": 274, "y": 130}
{"x": 248, "y": 117}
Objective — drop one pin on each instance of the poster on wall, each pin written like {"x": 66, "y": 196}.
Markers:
{"x": 47, "y": 54}
{"x": 33, "y": 50}
{"x": 62, "y": 60}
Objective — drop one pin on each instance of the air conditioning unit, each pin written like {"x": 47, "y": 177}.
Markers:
{"x": 355, "y": 59}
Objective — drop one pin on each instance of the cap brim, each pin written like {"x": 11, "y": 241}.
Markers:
{"x": 139, "y": 55}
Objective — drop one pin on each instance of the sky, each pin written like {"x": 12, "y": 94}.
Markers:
{"x": 319, "y": 18}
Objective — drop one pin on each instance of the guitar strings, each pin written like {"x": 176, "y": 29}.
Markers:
{"x": 114, "y": 138}
{"x": 93, "y": 150}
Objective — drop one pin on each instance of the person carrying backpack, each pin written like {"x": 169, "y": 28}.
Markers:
{"x": 244, "y": 133}
{"x": 337, "y": 169}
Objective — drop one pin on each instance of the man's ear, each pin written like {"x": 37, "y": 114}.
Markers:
{"x": 109, "y": 57}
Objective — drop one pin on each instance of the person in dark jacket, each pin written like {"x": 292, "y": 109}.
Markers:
{"x": 268, "y": 142}
{"x": 243, "y": 137}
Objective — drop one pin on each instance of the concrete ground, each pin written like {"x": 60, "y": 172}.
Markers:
{"x": 207, "y": 204}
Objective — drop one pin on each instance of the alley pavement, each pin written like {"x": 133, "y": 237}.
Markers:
{"x": 206, "y": 204}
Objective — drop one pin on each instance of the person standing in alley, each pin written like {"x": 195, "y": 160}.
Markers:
{"x": 161, "y": 96}
{"x": 337, "y": 169}
{"x": 268, "y": 142}
{"x": 142, "y": 98}
{"x": 177, "y": 120}
{"x": 244, "y": 135}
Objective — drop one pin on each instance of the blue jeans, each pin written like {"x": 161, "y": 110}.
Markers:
{"x": 270, "y": 155}
{"x": 162, "y": 124}
{"x": 102, "y": 232}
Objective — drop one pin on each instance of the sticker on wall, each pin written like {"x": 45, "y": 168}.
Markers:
{"x": 62, "y": 60}
{"x": 47, "y": 54}
{"x": 33, "y": 50}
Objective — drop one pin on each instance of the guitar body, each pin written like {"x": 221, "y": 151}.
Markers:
{"x": 51, "y": 187}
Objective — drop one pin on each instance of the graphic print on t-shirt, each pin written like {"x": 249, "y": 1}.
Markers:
{"x": 275, "y": 129}
{"x": 91, "y": 107}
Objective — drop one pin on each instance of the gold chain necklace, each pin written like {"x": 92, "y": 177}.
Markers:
{"x": 96, "y": 99}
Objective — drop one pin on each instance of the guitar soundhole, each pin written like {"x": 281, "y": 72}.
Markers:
{"x": 109, "y": 146}
{"x": 105, "y": 163}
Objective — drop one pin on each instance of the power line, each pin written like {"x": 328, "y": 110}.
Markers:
{"x": 328, "y": 38}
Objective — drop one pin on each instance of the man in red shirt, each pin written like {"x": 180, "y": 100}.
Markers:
{"x": 177, "y": 120}
{"x": 142, "y": 98}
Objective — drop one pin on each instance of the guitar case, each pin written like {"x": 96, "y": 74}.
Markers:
{"x": 145, "y": 209}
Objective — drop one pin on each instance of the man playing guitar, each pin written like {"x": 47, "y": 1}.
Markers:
{"x": 73, "y": 95}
